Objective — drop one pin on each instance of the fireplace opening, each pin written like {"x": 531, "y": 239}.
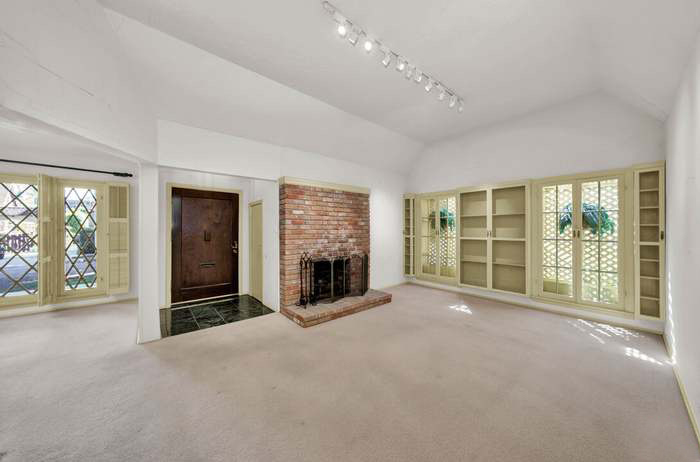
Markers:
{"x": 328, "y": 279}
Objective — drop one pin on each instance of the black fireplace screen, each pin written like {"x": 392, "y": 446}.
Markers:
{"x": 329, "y": 279}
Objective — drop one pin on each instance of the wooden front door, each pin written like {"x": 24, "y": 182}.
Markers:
{"x": 204, "y": 244}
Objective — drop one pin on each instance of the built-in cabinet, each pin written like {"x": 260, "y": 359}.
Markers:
{"x": 649, "y": 242}
{"x": 408, "y": 236}
{"x": 572, "y": 239}
{"x": 493, "y": 237}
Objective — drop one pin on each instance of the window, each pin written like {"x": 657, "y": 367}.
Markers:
{"x": 58, "y": 241}
{"x": 80, "y": 256}
{"x": 19, "y": 234}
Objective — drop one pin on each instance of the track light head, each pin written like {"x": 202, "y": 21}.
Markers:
{"x": 429, "y": 85}
{"x": 387, "y": 59}
{"x": 400, "y": 64}
{"x": 353, "y": 37}
{"x": 409, "y": 72}
{"x": 453, "y": 101}
{"x": 442, "y": 94}
{"x": 368, "y": 45}
{"x": 460, "y": 108}
{"x": 342, "y": 29}
{"x": 419, "y": 76}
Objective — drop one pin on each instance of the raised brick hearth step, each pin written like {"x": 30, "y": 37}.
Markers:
{"x": 322, "y": 312}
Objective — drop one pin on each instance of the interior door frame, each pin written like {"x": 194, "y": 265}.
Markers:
{"x": 168, "y": 235}
{"x": 250, "y": 248}
{"x": 625, "y": 241}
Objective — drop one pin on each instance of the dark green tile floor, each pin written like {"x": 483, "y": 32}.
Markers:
{"x": 182, "y": 319}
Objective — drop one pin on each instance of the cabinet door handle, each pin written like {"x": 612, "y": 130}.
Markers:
{"x": 662, "y": 235}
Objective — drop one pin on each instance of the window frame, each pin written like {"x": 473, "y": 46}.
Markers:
{"x": 29, "y": 299}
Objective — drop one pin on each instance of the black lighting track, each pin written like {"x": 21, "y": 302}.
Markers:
{"x": 36, "y": 164}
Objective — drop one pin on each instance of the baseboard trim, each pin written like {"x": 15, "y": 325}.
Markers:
{"x": 569, "y": 312}
{"x": 29, "y": 310}
{"x": 684, "y": 395}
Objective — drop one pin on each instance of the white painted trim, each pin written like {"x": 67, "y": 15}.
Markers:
{"x": 82, "y": 303}
{"x": 250, "y": 247}
{"x": 322, "y": 184}
{"x": 681, "y": 388}
{"x": 652, "y": 327}
{"x": 168, "y": 234}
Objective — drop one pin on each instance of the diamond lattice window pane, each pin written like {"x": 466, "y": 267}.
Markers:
{"x": 80, "y": 261}
{"x": 19, "y": 232}
{"x": 549, "y": 199}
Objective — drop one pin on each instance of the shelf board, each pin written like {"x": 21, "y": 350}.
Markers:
{"x": 648, "y": 224}
{"x": 649, "y": 259}
{"x": 507, "y": 262}
{"x": 644, "y": 297}
{"x": 463, "y": 238}
{"x": 648, "y": 243}
{"x": 473, "y": 215}
{"x": 648, "y": 190}
{"x": 473, "y": 259}
{"x": 649, "y": 277}
{"x": 509, "y": 239}
{"x": 474, "y": 283}
{"x": 504, "y": 214}
{"x": 645, "y": 207}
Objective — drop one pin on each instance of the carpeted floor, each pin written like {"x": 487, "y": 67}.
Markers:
{"x": 433, "y": 376}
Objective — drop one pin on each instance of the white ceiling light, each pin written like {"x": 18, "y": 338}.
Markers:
{"x": 387, "y": 58}
{"x": 400, "y": 64}
{"x": 354, "y": 32}
{"x": 453, "y": 101}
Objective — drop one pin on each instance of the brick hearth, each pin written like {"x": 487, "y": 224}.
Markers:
{"x": 322, "y": 312}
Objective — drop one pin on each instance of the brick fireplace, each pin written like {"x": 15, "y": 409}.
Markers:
{"x": 325, "y": 222}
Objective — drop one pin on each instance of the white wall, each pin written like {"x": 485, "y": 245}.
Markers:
{"x": 595, "y": 132}
{"x": 682, "y": 225}
{"x": 204, "y": 180}
{"x": 188, "y": 147}
{"x": 268, "y": 192}
{"x": 63, "y": 65}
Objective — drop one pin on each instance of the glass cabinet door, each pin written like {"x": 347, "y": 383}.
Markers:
{"x": 557, "y": 240}
{"x": 428, "y": 236}
{"x": 447, "y": 236}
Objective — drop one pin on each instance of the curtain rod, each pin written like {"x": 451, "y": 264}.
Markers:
{"x": 36, "y": 164}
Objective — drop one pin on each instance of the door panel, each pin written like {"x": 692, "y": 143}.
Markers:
{"x": 256, "y": 251}
{"x": 557, "y": 240}
{"x": 205, "y": 244}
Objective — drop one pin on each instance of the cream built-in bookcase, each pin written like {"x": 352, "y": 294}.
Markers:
{"x": 493, "y": 237}
{"x": 506, "y": 236}
{"x": 649, "y": 242}
{"x": 408, "y": 236}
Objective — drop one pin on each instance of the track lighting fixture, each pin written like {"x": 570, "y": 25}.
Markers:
{"x": 353, "y": 37}
{"x": 387, "y": 59}
{"x": 453, "y": 102}
{"x": 342, "y": 30}
{"x": 354, "y": 33}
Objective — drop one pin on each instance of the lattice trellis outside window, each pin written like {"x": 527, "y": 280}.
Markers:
{"x": 19, "y": 239}
{"x": 80, "y": 259}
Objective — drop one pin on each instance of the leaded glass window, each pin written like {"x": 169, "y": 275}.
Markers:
{"x": 19, "y": 231}
{"x": 81, "y": 246}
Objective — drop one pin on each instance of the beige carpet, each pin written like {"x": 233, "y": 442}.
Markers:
{"x": 430, "y": 377}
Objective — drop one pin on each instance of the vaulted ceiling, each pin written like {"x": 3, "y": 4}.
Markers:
{"x": 505, "y": 57}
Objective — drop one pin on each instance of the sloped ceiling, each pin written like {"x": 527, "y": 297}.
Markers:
{"x": 506, "y": 57}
